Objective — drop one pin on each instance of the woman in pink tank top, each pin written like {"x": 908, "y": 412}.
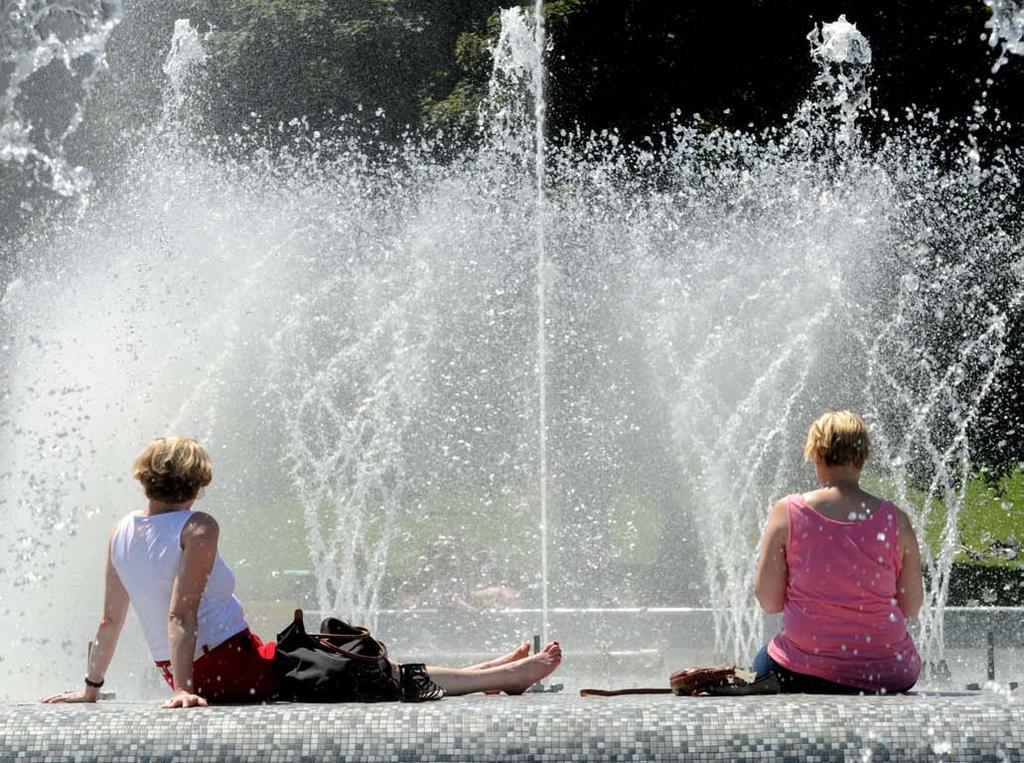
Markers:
{"x": 844, "y": 568}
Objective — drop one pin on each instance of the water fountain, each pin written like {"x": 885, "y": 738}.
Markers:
{"x": 570, "y": 369}
{"x": 586, "y": 366}
{"x": 514, "y": 118}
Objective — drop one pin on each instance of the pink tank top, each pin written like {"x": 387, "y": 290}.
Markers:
{"x": 841, "y": 621}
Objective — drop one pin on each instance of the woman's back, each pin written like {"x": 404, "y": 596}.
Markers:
{"x": 146, "y": 551}
{"x": 843, "y": 506}
{"x": 841, "y": 619}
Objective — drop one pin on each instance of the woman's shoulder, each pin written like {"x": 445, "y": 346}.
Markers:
{"x": 779, "y": 511}
{"x": 782, "y": 507}
{"x": 199, "y": 524}
{"x": 899, "y": 515}
{"x": 125, "y": 522}
{"x": 795, "y": 501}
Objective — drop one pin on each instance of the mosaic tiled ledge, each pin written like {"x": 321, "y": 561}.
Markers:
{"x": 970, "y": 727}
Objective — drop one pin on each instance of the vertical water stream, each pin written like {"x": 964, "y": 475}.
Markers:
{"x": 542, "y": 296}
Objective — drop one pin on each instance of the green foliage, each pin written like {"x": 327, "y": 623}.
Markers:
{"x": 637, "y": 530}
{"x": 558, "y": 14}
{"x": 469, "y": 524}
{"x": 264, "y": 548}
{"x": 456, "y": 112}
{"x": 410, "y": 61}
{"x": 992, "y": 517}
{"x": 993, "y": 513}
{"x": 315, "y": 57}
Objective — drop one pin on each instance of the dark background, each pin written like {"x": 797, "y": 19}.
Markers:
{"x": 615, "y": 64}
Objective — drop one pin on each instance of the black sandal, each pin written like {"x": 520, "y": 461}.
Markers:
{"x": 416, "y": 684}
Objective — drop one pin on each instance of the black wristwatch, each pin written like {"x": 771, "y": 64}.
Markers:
{"x": 93, "y": 684}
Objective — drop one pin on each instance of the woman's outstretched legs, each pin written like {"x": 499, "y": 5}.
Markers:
{"x": 518, "y": 653}
{"x": 512, "y": 677}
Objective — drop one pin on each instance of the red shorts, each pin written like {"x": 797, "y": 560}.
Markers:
{"x": 237, "y": 670}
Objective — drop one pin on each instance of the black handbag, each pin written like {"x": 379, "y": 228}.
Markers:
{"x": 344, "y": 663}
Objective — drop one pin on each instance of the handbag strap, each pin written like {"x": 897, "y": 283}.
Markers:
{"x": 327, "y": 640}
{"x": 346, "y": 643}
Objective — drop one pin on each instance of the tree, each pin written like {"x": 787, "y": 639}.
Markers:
{"x": 317, "y": 59}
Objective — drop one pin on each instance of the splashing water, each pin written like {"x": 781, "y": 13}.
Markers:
{"x": 843, "y": 56}
{"x": 347, "y": 375}
{"x": 184, "y": 65}
{"x": 36, "y": 36}
{"x": 773, "y": 303}
{"x": 515, "y": 104}
{"x": 354, "y": 335}
{"x": 937, "y": 356}
{"x": 513, "y": 117}
{"x": 1007, "y": 30}
{"x": 840, "y": 43}
{"x": 539, "y": 128}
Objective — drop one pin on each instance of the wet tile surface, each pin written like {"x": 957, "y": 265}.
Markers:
{"x": 981, "y": 727}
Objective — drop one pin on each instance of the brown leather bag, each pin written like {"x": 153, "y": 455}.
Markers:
{"x": 696, "y": 681}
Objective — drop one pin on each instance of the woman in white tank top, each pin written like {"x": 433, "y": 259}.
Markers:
{"x": 163, "y": 561}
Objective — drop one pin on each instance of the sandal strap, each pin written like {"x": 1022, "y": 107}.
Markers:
{"x": 417, "y": 685}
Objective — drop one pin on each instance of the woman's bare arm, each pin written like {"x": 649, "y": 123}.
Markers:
{"x": 909, "y": 584}
{"x": 115, "y": 609}
{"x": 198, "y": 553}
{"x": 772, "y": 572}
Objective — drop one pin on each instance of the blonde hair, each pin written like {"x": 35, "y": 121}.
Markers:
{"x": 173, "y": 469}
{"x": 838, "y": 437}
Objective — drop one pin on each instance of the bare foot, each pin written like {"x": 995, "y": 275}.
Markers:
{"x": 524, "y": 673}
{"x": 516, "y": 654}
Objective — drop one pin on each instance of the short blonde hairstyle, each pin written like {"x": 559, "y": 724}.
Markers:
{"x": 173, "y": 469}
{"x": 838, "y": 437}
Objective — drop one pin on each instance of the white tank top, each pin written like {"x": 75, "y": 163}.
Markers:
{"x": 145, "y": 551}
